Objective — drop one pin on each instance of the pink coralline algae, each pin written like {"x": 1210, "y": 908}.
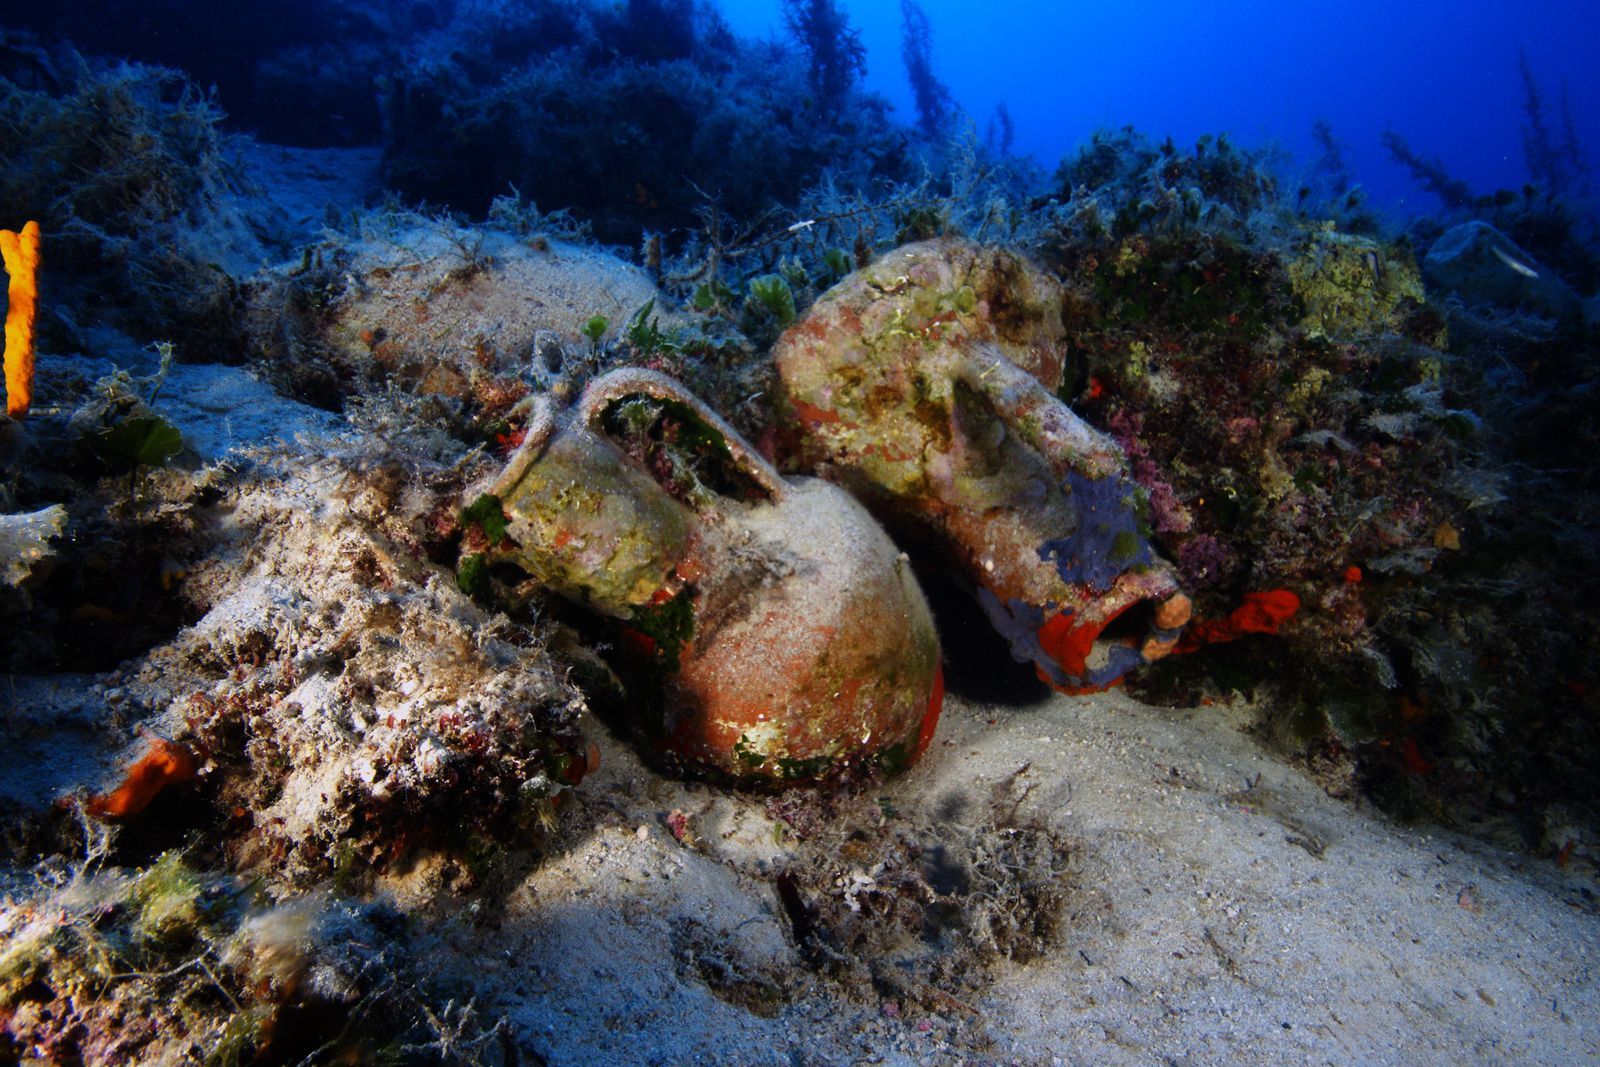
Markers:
{"x": 1167, "y": 513}
{"x": 1202, "y": 562}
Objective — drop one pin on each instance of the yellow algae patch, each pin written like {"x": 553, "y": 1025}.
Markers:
{"x": 1353, "y": 286}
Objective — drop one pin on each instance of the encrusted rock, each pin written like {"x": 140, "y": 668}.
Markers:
{"x": 1354, "y": 286}
{"x": 1483, "y": 266}
{"x": 25, "y": 542}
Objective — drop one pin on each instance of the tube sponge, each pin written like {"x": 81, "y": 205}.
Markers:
{"x": 21, "y": 252}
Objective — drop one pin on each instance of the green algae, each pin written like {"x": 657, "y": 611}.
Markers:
{"x": 486, "y": 513}
{"x": 168, "y": 901}
{"x": 670, "y": 627}
{"x": 811, "y": 767}
{"x": 749, "y": 758}
{"x": 774, "y": 294}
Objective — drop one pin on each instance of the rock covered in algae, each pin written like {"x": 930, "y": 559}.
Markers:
{"x": 1354, "y": 286}
{"x": 25, "y": 542}
{"x": 1483, "y": 266}
{"x": 344, "y": 690}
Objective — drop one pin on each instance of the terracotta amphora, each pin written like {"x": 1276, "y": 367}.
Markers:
{"x": 783, "y": 632}
{"x": 925, "y": 383}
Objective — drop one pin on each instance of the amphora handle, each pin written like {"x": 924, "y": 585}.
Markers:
{"x": 541, "y": 426}
{"x": 636, "y": 381}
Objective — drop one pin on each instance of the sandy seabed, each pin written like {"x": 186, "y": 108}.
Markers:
{"x": 1220, "y": 908}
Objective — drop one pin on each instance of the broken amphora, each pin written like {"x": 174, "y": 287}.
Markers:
{"x": 925, "y": 383}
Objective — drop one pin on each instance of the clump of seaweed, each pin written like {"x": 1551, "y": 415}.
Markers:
{"x": 835, "y": 56}
{"x": 1121, "y": 183}
{"x": 841, "y": 224}
{"x": 918, "y": 910}
{"x": 131, "y": 502}
{"x": 931, "y": 96}
{"x": 277, "y": 65}
{"x": 634, "y": 138}
{"x": 1555, "y": 158}
{"x": 1428, "y": 172}
{"x": 1329, "y": 191}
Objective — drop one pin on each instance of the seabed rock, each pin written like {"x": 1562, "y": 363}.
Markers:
{"x": 25, "y": 542}
{"x": 1483, "y": 266}
{"x": 1354, "y": 286}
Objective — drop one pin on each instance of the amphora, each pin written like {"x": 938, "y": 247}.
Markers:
{"x": 784, "y": 635}
{"x": 926, "y": 384}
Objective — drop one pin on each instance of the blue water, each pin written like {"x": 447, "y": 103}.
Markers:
{"x": 1442, "y": 74}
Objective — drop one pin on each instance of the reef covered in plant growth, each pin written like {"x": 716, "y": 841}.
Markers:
{"x": 1363, "y": 450}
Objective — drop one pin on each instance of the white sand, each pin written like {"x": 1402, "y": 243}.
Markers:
{"x": 1207, "y": 922}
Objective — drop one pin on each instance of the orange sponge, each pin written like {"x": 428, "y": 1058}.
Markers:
{"x": 21, "y": 252}
{"x": 164, "y": 763}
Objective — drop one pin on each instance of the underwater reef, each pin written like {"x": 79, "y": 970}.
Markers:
{"x": 1322, "y": 412}
{"x": 283, "y": 571}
